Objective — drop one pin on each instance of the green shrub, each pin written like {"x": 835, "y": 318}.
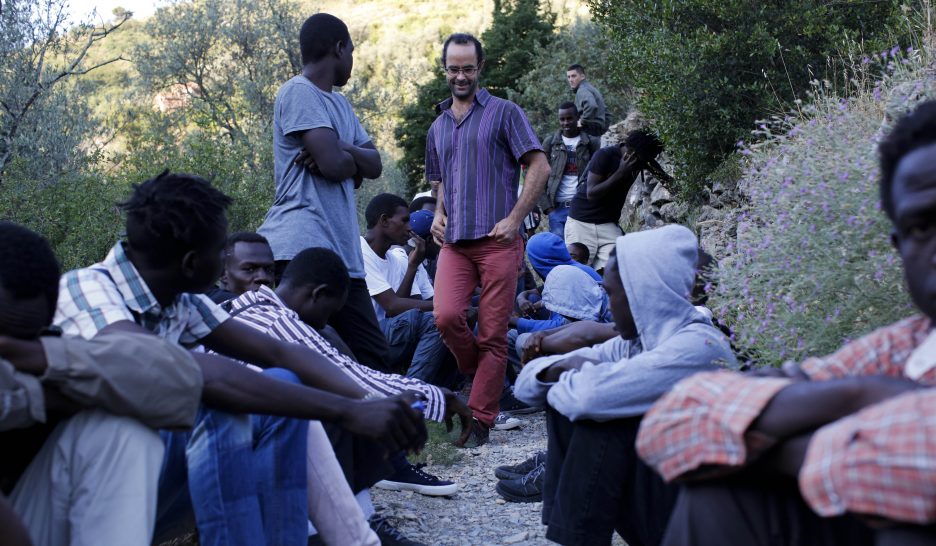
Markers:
{"x": 706, "y": 69}
{"x": 812, "y": 266}
{"x": 77, "y": 213}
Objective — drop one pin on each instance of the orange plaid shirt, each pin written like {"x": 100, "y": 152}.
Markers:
{"x": 880, "y": 461}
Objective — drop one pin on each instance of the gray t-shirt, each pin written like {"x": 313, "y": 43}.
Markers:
{"x": 311, "y": 210}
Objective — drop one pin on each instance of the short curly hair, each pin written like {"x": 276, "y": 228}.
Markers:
{"x": 172, "y": 214}
{"x": 647, "y": 145}
{"x": 28, "y": 267}
{"x": 915, "y": 130}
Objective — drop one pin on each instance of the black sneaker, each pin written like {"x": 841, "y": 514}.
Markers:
{"x": 510, "y": 406}
{"x": 414, "y": 478}
{"x": 512, "y": 472}
{"x": 388, "y": 534}
{"x": 529, "y": 488}
{"x": 477, "y": 435}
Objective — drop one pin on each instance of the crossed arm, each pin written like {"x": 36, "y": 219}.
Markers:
{"x": 338, "y": 160}
{"x": 796, "y": 411}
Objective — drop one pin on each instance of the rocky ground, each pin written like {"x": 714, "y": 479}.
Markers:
{"x": 476, "y": 515}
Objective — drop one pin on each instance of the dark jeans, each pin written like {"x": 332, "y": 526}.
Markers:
{"x": 595, "y": 484}
{"x": 362, "y": 461}
{"x": 356, "y": 323}
{"x": 747, "y": 510}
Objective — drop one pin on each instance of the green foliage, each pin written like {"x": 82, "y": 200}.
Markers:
{"x": 77, "y": 213}
{"x": 517, "y": 29}
{"x": 706, "y": 69}
{"x": 43, "y": 117}
{"x": 223, "y": 60}
{"x": 542, "y": 87}
{"x": 812, "y": 266}
{"x": 412, "y": 130}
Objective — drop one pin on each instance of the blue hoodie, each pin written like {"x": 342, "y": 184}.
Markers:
{"x": 674, "y": 340}
{"x": 547, "y": 250}
{"x": 569, "y": 293}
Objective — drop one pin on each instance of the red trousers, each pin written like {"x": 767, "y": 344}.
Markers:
{"x": 461, "y": 268}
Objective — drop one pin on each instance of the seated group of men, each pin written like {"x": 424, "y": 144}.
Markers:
{"x": 654, "y": 436}
{"x": 135, "y": 418}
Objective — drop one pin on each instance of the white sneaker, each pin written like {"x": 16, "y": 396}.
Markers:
{"x": 506, "y": 422}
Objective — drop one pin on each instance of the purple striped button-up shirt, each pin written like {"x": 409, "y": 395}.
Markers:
{"x": 478, "y": 161}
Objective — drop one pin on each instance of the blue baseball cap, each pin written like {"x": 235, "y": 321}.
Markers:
{"x": 420, "y": 222}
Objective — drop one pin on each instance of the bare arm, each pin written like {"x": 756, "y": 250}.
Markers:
{"x": 440, "y": 219}
{"x": 329, "y": 154}
{"x": 232, "y": 387}
{"x": 567, "y": 338}
{"x": 538, "y": 170}
{"x": 393, "y": 304}
{"x": 807, "y": 405}
{"x": 242, "y": 342}
{"x": 414, "y": 259}
{"x": 366, "y": 157}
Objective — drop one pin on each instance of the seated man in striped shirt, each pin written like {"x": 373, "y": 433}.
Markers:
{"x": 313, "y": 287}
{"x": 856, "y": 429}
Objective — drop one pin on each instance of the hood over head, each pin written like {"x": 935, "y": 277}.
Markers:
{"x": 657, "y": 269}
{"x": 548, "y": 250}
{"x": 572, "y": 293}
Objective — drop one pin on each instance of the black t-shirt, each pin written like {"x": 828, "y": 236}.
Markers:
{"x": 607, "y": 209}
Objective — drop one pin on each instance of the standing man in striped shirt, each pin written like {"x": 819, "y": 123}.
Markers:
{"x": 474, "y": 150}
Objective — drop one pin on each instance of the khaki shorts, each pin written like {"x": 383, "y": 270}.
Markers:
{"x": 599, "y": 238}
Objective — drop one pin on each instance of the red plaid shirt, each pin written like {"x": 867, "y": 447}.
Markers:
{"x": 880, "y": 461}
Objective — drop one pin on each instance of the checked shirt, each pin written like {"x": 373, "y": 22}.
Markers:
{"x": 880, "y": 461}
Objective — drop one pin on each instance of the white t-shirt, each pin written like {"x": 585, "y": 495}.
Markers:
{"x": 570, "y": 174}
{"x": 382, "y": 274}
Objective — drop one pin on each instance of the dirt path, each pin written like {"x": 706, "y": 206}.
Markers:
{"x": 476, "y": 515}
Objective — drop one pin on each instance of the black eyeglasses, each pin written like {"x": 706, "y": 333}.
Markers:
{"x": 468, "y": 71}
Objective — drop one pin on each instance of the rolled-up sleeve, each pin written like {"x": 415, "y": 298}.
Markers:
{"x": 520, "y": 134}
{"x": 702, "y": 423}
{"x": 21, "y": 401}
{"x": 135, "y": 375}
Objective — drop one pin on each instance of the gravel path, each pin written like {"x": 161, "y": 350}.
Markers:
{"x": 476, "y": 515}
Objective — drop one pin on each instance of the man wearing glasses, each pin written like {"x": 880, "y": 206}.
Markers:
{"x": 474, "y": 150}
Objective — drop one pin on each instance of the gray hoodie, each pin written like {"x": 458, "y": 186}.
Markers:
{"x": 674, "y": 339}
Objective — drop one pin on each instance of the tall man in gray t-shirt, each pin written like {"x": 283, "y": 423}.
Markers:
{"x": 321, "y": 154}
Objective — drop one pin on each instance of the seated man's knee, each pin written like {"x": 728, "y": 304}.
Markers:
{"x": 98, "y": 429}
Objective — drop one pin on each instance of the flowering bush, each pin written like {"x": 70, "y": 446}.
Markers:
{"x": 812, "y": 265}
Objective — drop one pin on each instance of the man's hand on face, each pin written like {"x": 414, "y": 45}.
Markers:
{"x": 304, "y": 159}
{"x": 455, "y": 406}
{"x": 506, "y": 231}
{"x": 418, "y": 254}
{"x": 438, "y": 228}
{"x": 629, "y": 160}
{"x": 390, "y": 421}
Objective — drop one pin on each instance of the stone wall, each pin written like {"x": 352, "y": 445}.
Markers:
{"x": 649, "y": 204}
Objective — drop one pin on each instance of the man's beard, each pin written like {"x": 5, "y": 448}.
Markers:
{"x": 471, "y": 89}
